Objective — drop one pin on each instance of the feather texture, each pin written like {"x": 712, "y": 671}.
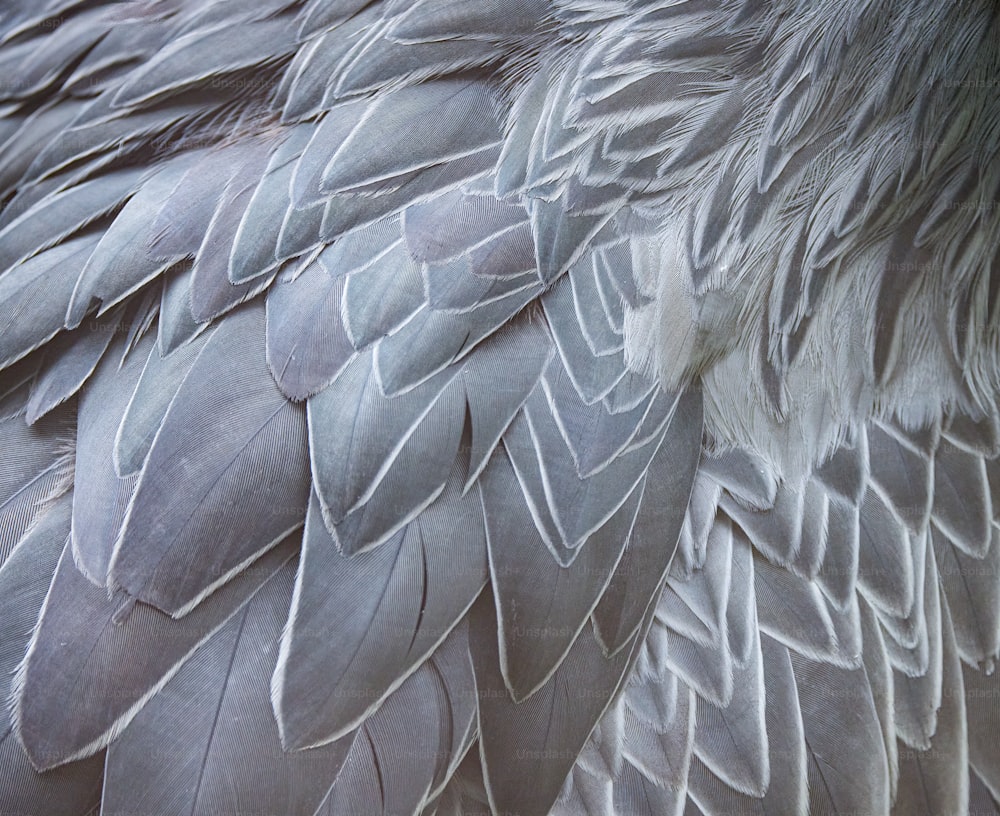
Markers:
{"x": 631, "y": 366}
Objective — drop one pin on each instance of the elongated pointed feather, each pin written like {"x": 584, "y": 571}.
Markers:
{"x": 654, "y": 536}
{"x": 307, "y": 344}
{"x": 466, "y": 123}
{"x": 41, "y": 286}
{"x": 451, "y": 224}
{"x": 101, "y": 497}
{"x": 73, "y": 789}
{"x": 122, "y": 262}
{"x": 229, "y": 434}
{"x": 792, "y": 611}
{"x": 496, "y": 390}
{"x": 962, "y": 498}
{"x": 356, "y": 434}
{"x": 100, "y": 670}
{"x": 413, "y": 589}
{"x": 197, "y": 744}
{"x": 697, "y": 605}
{"x": 445, "y": 19}
{"x": 191, "y": 58}
{"x": 841, "y": 780}
{"x": 593, "y": 377}
{"x": 413, "y": 481}
{"x": 381, "y": 297}
{"x": 528, "y": 748}
{"x": 541, "y": 605}
{"x": 53, "y": 218}
{"x": 212, "y": 292}
{"x": 434, "y": 339}
{"x": 155, "y": 389}
{"x": 350, "y": 210}
{"x": 255, "y": 245}
{"x": 937, "y": 780}
{"x": 885, "y": 570}
{"x": 917, "y": 696}
{"x": 405, "y": 751}
{"x": 33, "y": 476}
{"x": 579, "y": 506}
{"x": 69, "y": 363}
{"x": 902, "y": 474}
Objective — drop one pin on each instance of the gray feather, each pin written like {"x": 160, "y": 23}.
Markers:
{"x": 69, "y": 362}
{"x": 212, "y": 292}
{"x": 917, "y": 697}
{"x": 937, "y": 780}
{"x": 837, "y": 575}
{"x": 594, "y": 436}
{"x": 199, "y": 55}
{"x": 653, "y": 539}
{"x": 885, "y": 570}
{"x": 902, "y": 474}
{"x": 495, "y": 390}
{"x": 450, "y": 225}
{"x": 85, "y": 649}
{"x": 122, "y": 261}
{"x": 405, "y": 752}
{"x": 541, "y": 605}
{"x": 457, "y": 118}
{"x": 41, "y": 287}
{"x": 72, "y": 789}
{"x": 255, "y": 244}
{"x": 34, "y": 467}
{"x": 593, "y": 377}
{"x": 155, "y": 389}
{"x": 528, "y": 748}
{"x": 59, "y": 215}
{"x": 197, "y": 743}
{"x": 433, "y": 339}
{"x": 235, "y": 442}
{"x": 732, "y": 741}
{"x": 348, "y": 211}
{"x": 101, "y": 497}
{"x": 307, "y": 344}
{"x": 973, "y": 601}
{"x": 177, "y": 325}
{"x": 578, "y": 505}
{"x": 962, "y": 498}
{"x": 839, "y": 780}
{"x": 357, "y": 436}
{"x": 381, "y": 296}
{"x": 365, "y": 622}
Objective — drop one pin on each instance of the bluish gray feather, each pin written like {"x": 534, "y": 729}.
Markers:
{"x": 69, "y": 362}
{"x": 62, "y": 214}
{"x": 235, "y": 442}
{"x": 255, "y": 245}
{"x": 197, "y": 743}
{"x": 41, "y": 287}
{"x": 122, "y": 262}
{"x": 201, "y": 55}
{"x": 307, "y": 344}
{"x": 541, "y": 605}
{"x": 458, "y": 118}
{"x": 100, "y": 496}
{"x": 156, "y": 388}
{"x": 356, "y": 435}
{"x": 72, "y": 789}
{"x": 654, "y": 535}
{"x": 107, "y": 654}
{"x": 412, "y": 590}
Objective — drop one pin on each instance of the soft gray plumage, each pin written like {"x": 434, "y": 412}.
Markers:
{"x": 522, "y": 406}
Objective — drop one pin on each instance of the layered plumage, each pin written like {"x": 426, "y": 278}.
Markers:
{"x": 524, "y": 407}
